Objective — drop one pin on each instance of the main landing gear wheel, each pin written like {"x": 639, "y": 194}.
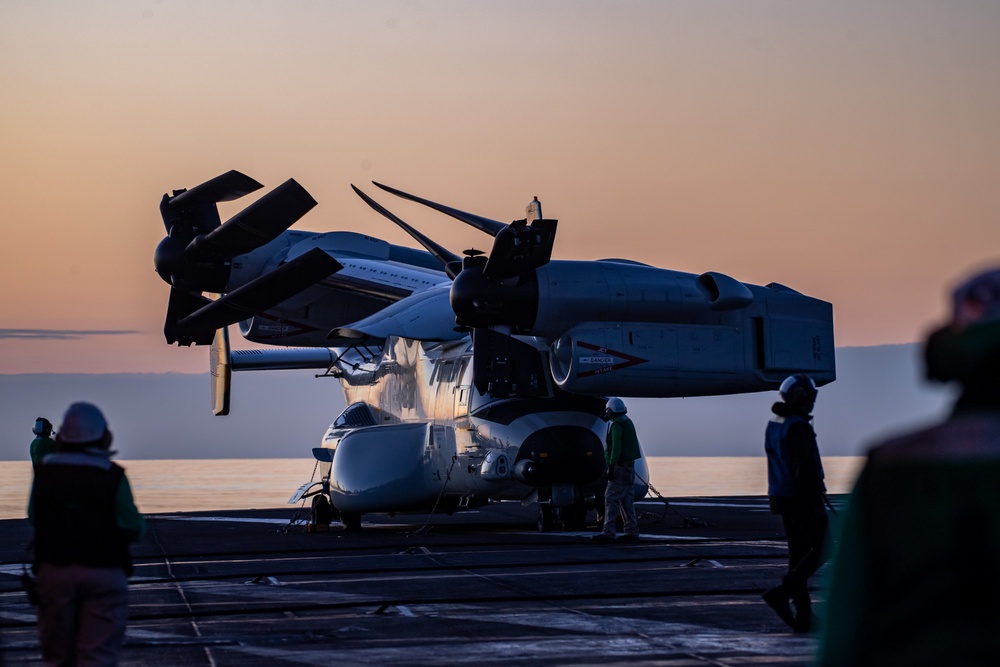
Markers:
{"x": 321, "y": 513}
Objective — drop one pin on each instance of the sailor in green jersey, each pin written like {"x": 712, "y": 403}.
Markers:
{"x": 621, "y": 451}
{"x": 43, "y": 444}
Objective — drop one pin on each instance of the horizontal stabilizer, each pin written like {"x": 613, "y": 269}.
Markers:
{"x": 282, "y": 359}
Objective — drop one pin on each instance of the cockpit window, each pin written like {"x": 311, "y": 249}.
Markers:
{"x": 356, "y": 414}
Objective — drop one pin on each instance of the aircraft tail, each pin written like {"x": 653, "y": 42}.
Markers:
{"x": 221, "y": 370}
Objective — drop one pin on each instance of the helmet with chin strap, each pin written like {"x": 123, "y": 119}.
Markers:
{"x": 616, "y": 406}
{"x": 42, "y": 427}
{"x": 799, "y": 391}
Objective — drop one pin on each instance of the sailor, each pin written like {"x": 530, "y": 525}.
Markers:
{"x": 43, "y": 444}
{"x": 84, "y": 517}
{"x": 796, "y": 492}
{"x": 915, "y": 577}
{"x": 621, "y": 451}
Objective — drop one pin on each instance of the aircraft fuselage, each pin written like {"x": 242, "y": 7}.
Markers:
{"x": 417, "y": 434}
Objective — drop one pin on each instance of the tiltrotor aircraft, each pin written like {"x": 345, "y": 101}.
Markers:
{"x": 474, "y": 379}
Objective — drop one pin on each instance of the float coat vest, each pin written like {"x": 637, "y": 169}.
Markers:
{"x": 793, "y": 464}
{"x": 75, "y": 519}
{"x": 622, "y": 443}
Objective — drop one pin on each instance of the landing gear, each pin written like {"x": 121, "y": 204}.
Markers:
{"x": 321, "y": 514}
{"x": 351, "y": 521}
{"x": 546, "y": 518}
{"x": 572, "y": 517}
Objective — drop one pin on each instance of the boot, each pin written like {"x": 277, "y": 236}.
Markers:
{"x": 803, "y": 612}
{"x": 777, "y": 599}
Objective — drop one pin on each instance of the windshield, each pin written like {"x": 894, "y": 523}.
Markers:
{"x": 356, "y": 414}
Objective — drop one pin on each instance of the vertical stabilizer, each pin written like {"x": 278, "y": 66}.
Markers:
{"x": 221, "y": 371}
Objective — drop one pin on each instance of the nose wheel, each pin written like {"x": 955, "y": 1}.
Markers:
{"x": 572, "y": 517}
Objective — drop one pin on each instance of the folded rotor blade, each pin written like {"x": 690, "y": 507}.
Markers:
{"x": 451, "y": 262}
{"x": 520, "y": 248}
{"x": 263, "y": 293}
{"x": 259, "y": 223}
{"x": 181, "y": 304}
{"x": 187, "y": 204}
{"x": 226, "y": 187}
{"x": 491, "y": 227}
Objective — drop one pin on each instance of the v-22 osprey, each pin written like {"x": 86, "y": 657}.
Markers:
{"x": 468, "y": 379}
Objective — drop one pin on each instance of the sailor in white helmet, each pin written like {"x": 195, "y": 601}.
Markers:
{"x": 620, "y": 453}
{"x": 84, "y": 517}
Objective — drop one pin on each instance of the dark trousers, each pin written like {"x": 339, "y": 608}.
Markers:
{"x": 806, "y": 529}
{"x": 82, "y": 613}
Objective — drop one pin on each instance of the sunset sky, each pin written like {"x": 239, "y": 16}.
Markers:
{"x": 850, "y": 150}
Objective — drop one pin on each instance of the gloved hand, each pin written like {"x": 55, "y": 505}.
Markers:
{"x": 611, "y": 472}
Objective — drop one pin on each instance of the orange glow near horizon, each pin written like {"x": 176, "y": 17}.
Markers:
{"x": 848, "y": 151}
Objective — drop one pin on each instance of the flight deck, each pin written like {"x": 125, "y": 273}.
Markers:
{"x": 480, "y": 587}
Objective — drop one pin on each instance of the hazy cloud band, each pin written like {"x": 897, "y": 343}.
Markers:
{"x": 61, "y": 334}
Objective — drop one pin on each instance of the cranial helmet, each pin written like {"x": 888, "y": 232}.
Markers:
{"x": 42, "y": 427}
{"x": 616, "y": 406}
{"x": 977, "y": 299}
{"x": 967, "y": 348}
{"x": 799, "y": 391}
{"x": 84, "y": 424}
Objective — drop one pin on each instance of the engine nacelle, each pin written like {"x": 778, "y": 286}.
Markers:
{"x": 648, "y": 359}
{"x": 659, "y": 359}
{"x": 570, "y": 292}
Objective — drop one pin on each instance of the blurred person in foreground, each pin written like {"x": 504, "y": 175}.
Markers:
{"x": 915, "y": 578}
{"x": 796, "y": 492}
{"x": 84, "y": 517}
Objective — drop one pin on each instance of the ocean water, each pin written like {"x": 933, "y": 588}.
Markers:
{"x": 185, "y": 485}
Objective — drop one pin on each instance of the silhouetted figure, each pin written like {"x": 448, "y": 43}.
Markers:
{"x": 84, "y": 517}
{"x": 915, "y": 579}
{"x": 620, "y": 453}
{"x": 796, "y": 492}
{"x": 43, "y": 444}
